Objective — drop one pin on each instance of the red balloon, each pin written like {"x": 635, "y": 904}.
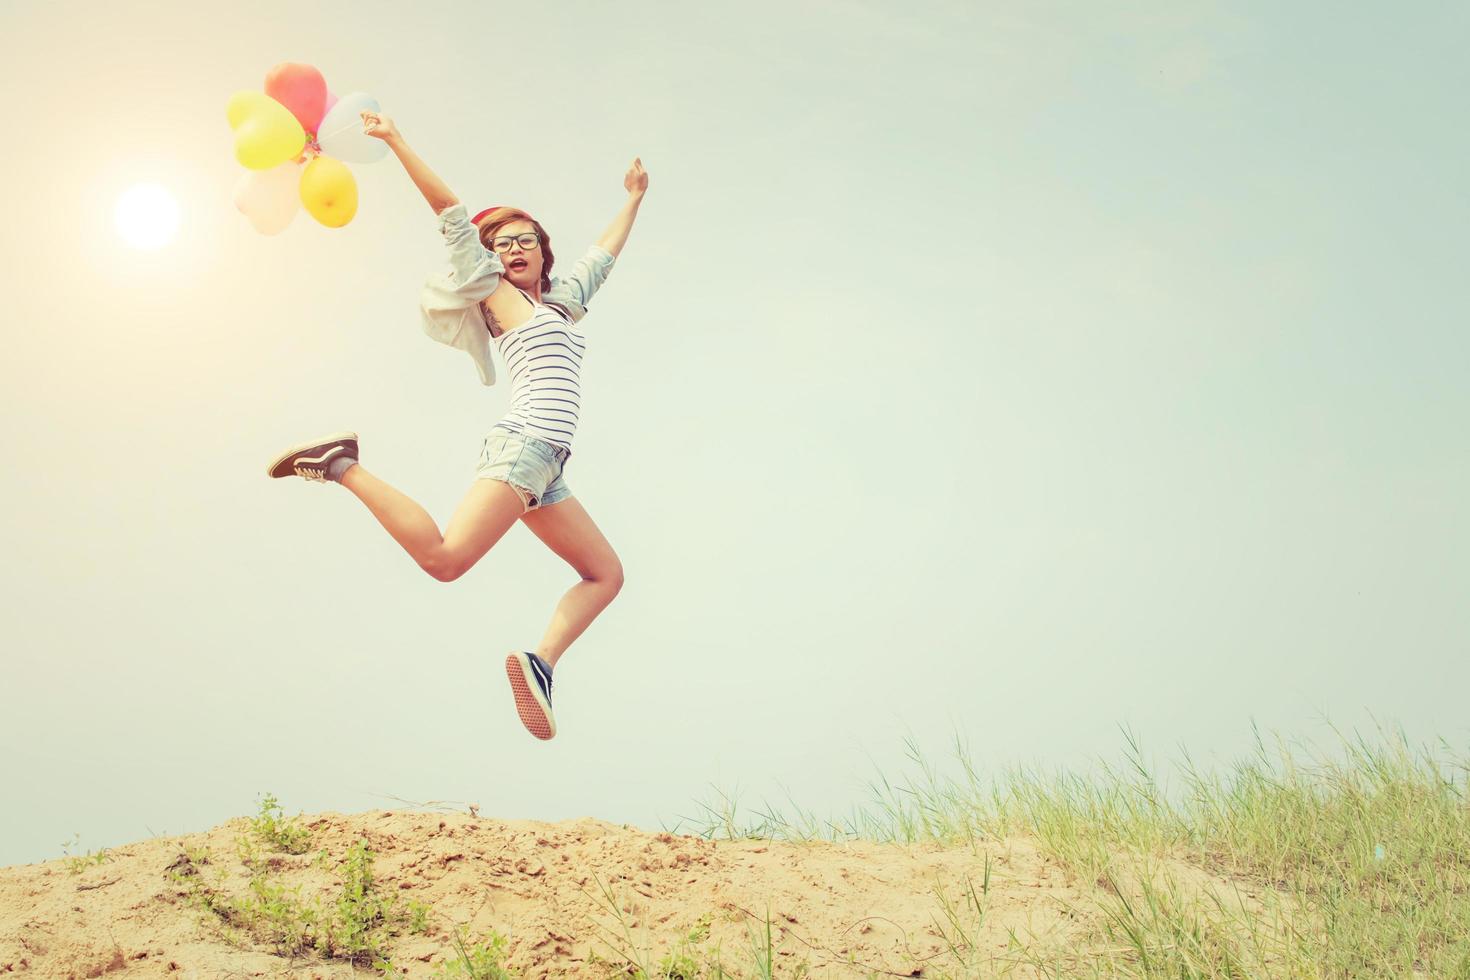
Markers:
{"x": 301, "y": 89}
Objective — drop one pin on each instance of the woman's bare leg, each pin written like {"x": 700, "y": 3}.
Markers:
{"x": 484, "y": 515}
{"x": 568, "y": 530}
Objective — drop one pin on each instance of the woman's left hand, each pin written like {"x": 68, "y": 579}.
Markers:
{"x": 637, "y": 179}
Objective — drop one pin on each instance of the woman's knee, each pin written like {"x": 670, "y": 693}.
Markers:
{"x": 445, "y": 566}
{"x": 611, "y": 577}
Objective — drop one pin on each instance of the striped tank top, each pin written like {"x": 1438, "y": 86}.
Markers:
{"x": 544, "y": 358}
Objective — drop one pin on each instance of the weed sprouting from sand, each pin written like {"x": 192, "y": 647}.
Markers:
{"x": 477, "y": 961}
{"x": 963, "y": 919}
{"x": 686, "y": 961}
{"x": 356, "y": 925}
{"x": 761, "y": 947}
{"x": 720, "y": 818}
{"x": 77, "y": 863}
{"x": 720, "y": 821}
{"x": 688, "y": 958}
{"x": 624, "y": 945}
{"x": 271, "y": 827}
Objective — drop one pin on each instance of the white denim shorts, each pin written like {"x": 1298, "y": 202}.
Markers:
{"x": 533, "y": 467}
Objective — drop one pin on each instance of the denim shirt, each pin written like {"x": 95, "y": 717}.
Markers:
{"x": 450, "y": 301}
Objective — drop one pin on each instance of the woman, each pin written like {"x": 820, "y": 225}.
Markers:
{"x": 499, "y": 290}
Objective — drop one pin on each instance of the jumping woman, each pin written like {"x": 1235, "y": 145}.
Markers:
{"x": 499, "y": 289}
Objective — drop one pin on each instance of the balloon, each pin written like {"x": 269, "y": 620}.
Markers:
{"x": 331, "y": 101}
{"x": 270, "y": 198}
{"x": 266, "y": 134}
{"x": 301, "y": 89}
{"x": 329, "y": 191}
{"x": 341, "y": 132}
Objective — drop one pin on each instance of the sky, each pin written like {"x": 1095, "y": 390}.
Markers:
{"x": 980, "y": 373}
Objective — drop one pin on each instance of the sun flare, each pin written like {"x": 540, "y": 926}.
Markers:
{"x": 147, "y": 216}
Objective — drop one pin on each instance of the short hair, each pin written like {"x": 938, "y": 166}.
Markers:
{"x": 491, "y": 222}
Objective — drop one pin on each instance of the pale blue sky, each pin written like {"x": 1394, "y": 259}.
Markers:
{"x": 1015, "y": 372}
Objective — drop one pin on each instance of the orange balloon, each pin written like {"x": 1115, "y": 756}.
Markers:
{"x": 329, "y": 191}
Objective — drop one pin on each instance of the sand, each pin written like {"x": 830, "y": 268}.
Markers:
{"x": 836, "y": 909}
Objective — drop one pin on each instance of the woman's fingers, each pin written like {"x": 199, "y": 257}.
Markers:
{"x": 636, "y": 180}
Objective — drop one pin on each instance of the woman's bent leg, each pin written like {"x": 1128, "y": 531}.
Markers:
{"x": 484, "y": 515}
{"x": 568, "y": 530}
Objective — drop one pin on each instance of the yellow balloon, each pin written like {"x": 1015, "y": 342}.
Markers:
{"x": 329, "y": 191}
{"x": 266, "y": 133}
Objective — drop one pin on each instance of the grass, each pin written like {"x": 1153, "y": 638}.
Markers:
{"x": 1353, "y": 866}
{"x": 77, "y": 863}
{"x": 479, "y": 961}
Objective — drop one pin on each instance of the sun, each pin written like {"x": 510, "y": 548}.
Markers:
{"x": 147, "y": 216}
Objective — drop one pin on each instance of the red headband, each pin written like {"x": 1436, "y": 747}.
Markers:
{"x": 476, "y": 219}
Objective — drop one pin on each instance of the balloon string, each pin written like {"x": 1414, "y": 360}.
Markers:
{"x": 337, "y": 132}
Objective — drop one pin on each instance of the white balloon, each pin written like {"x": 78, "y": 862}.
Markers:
{"x": 270, "y": 198}
{"x": 340, "y": 134}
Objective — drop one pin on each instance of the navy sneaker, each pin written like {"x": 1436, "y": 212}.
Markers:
{"x": 310, "y": 460}
{"x": 530, "y": 682}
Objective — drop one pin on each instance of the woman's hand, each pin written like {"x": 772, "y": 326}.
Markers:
{"x": 637, "y": 179}
{"x": 380, "y": 125}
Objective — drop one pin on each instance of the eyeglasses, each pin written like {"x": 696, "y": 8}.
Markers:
{"x": 528, "y": 241}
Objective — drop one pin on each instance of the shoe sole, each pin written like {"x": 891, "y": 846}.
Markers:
{"x": 270, "y": 470}
{"x": 530, "y": 705}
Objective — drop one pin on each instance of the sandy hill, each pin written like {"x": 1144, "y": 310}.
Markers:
{"x": 580, "y": 898}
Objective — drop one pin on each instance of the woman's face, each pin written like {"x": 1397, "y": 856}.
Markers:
{"x": 522, "y": 264}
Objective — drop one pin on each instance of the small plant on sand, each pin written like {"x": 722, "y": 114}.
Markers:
{"x": 278, "y": 833}
{"x": 418, "y": 916}
{"x": 481, "y": 961}
{"x": 77, "y": 863}
{"x": 682, "y": 963}
{"x": 187, "y": 873}
{"x": 762, "y": 949}
{"x": 635, "y": 956}
{"x": 964, "y": 918}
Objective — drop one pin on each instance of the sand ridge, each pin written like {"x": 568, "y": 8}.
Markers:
{"x": 841, "y": 908}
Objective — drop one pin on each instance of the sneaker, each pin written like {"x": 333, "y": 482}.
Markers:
{"x": 530, "y": 682}
{"x": 309, "y": 459}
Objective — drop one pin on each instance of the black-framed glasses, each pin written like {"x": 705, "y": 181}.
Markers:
{"x": 528, "y": 241}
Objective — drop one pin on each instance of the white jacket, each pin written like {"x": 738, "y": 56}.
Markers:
{"x": 450, "y": 301}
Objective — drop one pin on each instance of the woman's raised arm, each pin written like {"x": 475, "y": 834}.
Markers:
{"x": 435, "y": 191}
{"x": 616, "y": 235}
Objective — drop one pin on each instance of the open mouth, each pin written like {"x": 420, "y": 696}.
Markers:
{"x": 518, "y": 265}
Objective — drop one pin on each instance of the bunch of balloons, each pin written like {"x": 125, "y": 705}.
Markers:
{"x": 293, "y": 138}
